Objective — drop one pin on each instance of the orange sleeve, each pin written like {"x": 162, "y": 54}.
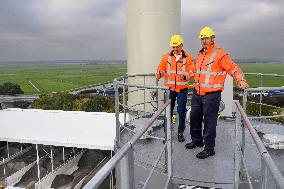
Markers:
{"x": 232, "y": 68}
{"x": 162, "y": 66}
{"x": 190, "y": 66}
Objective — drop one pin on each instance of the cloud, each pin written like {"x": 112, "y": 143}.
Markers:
{"x": 247, "y": 29}
{"x": 65, "y": 29}
{"x": 96, "y": 29}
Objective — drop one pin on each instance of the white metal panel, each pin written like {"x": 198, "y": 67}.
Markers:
{"x": 227, "y": 97}
{"x": 93, "y": 130}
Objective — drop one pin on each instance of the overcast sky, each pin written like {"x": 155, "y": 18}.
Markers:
{"x": 96, "y": 29}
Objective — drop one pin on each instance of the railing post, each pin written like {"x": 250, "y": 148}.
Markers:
{"x": 144, "y": 96}
{"x": 157, "y": 92}
{"x": 261, "y": 83}
{"x": 166, "y": 122}
{"x": 126, "y": 171}
{"x": 117, "y": 115}
{"x": 243, "y": 137}
{"x": 236, "y": 171}
{"x": 242, "y": 169}
{"x": 131, "y": 168}
{"x": 243, "y": 141}
{"x": 260, "y": 99}
{"x": 169, "y": 143}
{"x": 260, "y": 102}
{"x": 111, "y": 174}
{"x": 263, "y": 174}
{"x": 124, "y": 102}
{"x": 245, "y": 96}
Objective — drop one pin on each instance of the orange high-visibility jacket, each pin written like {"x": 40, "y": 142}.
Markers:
{"x": 212, "y": 66}
{"x": 172, "y": 70}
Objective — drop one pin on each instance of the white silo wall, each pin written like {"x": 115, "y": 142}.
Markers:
{"x": 151, "y": 23}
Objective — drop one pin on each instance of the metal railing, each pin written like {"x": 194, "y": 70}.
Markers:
{"x": 261, "y": 75}
{"x": 125, "y": 152}
{"x": 267, "y": 162}
{"x": 261, "y": 91}
{"x": 123, "y": 88}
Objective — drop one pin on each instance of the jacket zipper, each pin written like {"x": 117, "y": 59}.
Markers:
{"x": 176, "y": 77}
{"x": 200, "y": 70}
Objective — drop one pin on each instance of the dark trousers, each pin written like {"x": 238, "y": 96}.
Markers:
{"x": 204, "y": 108}
{"x": 181, "y": 101}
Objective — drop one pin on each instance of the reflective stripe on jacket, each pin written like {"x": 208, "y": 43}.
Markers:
{"x": 212, "y": 66}
{"x": 172, "y": 70}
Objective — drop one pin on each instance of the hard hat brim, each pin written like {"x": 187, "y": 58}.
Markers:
{"x": 175, "y": 45}
{"x": 206, "y": 36}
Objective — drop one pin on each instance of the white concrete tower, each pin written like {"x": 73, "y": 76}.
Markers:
{"x": 151, "y": 23}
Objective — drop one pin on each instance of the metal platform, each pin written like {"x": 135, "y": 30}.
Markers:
{"x": 213, "y": 172}
{"x": 158, "y": 161}
{"x": 216, "y": 171}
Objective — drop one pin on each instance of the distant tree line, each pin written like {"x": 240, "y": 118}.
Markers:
{"x": 68, "y": 102}
{"x": 9, "y": 88}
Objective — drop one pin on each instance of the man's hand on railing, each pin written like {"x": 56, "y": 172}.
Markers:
{"x": 243, "y": 84}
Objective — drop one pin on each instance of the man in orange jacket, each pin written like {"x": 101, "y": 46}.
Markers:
{"x": 177, "y": 67}
{"x": 212, "y": 66}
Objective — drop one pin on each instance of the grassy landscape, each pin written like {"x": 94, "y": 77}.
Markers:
{"x": 268, "y": 68}
{"x": 58, "y": 77}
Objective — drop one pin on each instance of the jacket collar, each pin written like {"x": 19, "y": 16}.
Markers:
{"x": 209, "y": 49}
{"x": 182, "y": 52}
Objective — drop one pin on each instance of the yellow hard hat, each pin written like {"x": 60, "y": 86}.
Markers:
{"x": 206, "y": 32}
{"x": 176, "y": 40}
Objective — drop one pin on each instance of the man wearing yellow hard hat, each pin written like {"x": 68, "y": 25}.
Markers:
{"x": 177, "y": 67}
{"x": 212, "y": 66}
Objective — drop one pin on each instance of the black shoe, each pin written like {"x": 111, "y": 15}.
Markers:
{"x": 192, "y": 145}
{"x": 181, "y": 137}
{"x": 205, "y": 154}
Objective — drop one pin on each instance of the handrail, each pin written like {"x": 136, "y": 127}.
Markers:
{"x": 276, "y": 174}
{"x": 259, "y": 89}
{"x": 118, "y": 81}
{"x": 109, "y": 166}
{"x": 265, "y": 74}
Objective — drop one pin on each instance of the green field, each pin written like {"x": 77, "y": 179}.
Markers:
{"x": 52, "y": 78}
{"x": 268, "y": 68}
{"x": 59, "y": 77}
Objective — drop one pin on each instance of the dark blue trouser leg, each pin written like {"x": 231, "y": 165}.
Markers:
{"x": 196, "y": 117}
{"x": 181, "y": 100}
{"x": 211, "y": 104}
{"x": 173, "y": 96}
